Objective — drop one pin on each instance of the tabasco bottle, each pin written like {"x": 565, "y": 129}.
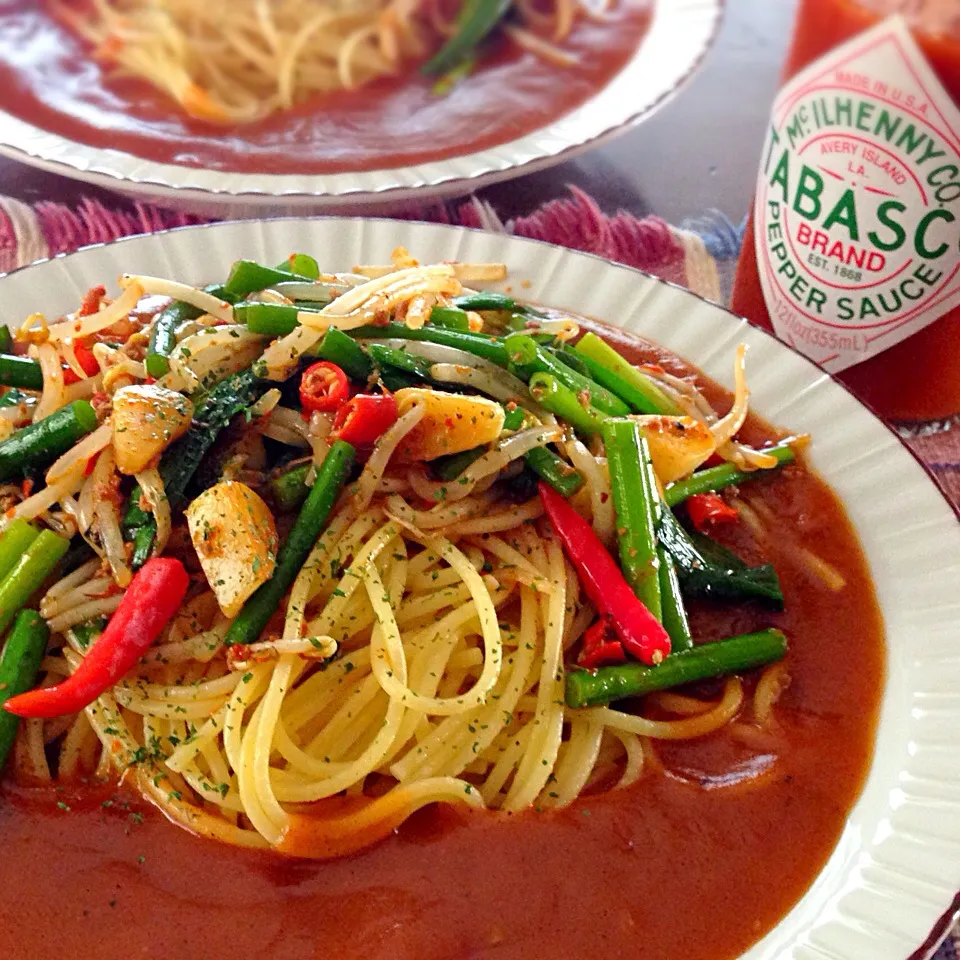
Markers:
{"x": 852, "y": 252}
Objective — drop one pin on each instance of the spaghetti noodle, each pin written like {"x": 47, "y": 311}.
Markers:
{"x": 239, "y": 61}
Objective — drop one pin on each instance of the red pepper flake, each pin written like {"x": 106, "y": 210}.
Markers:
{"x": 91, "y": 463}
{"x": 100, "y": 402}
{"x": 91, "y": 301}
{"x": 27, "y": 487}
{"x": 601, "y": 646}
{"x": 707, "y": 509}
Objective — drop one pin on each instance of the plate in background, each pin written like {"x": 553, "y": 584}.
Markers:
{"x": 680, "y": 34}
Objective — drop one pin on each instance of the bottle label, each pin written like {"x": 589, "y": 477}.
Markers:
{"x": 858, "y": 200}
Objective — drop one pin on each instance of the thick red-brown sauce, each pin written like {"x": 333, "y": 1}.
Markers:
{"x": 679, "y": 865}
{"x": 48, "y": 78}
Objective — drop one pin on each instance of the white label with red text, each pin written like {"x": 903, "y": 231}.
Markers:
{"x": 858, "y": 200}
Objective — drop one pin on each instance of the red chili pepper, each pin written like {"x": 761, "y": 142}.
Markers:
{"x": 91, "y": 463}
{"x": 362, "y": 420}
{"x": 706, "y": 509}
{"x": 639, "y": 630}
{"x": 85, "y": 358}
{"x": 323, "y": 387}
{"x": 152, "y": 599}
{"x": 600, "y": 647}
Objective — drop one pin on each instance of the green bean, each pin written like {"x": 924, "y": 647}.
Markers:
{"x": 393, "y": 380}
{"x": 638, "y": 401}
{"x": 452, "y": 318}
{"x": 268, "y": 319}
{"x": 564, "y": 478}
{"x": 479, "y": 344}
{"x": 19, "y": 665}
{"x": 39, "y": 444}
{"x": 445, "y": 83}
{"x": 20, "y": 372}
{"x": 567, "y": 356}
{"x": 703, "y": 662}
{"x": 309, "y": 525}
{"x": 290, "y": 489}
{"x": 674, "y": 619}
{"x": 513, "y": 419}
{"x": 163, "y": 330}
{"x": 15, "y": 540}
{"x": 28, "y": 574}
{"x": 486, "y": 300}
{"x": 300, "y": 264}
{"x": 608, "y": 367}
{"x": 143, "y": 542}
{"x": 551, "y": 394}
{"x": 336, "y": 347}
{"x": 163, "y": 339}
{"x": 526, "y": 358}
{"x": 477, "y": 18}
{"x": 246, "y": 276}
{"x": 636, "y": 501}
{"x": 14, "y": 397}
{"x": 6, "y": 340}
{"x": 449, "y": 467}
{"x": 725, "y": 475}
{"x": 400, "y": 360}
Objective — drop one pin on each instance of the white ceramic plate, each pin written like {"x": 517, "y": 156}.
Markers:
{"x": 680, "y": 34}
{"x": 896, "y": 870}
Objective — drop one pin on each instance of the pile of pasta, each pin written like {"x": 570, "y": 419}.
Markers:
{"x": 452, "y": 625}
{"x": 237, "y": 61}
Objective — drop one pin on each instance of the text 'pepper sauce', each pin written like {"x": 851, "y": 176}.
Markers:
{"x": 852, "y": 252}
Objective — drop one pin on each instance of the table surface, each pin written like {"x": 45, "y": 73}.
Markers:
{"x": 698, "y": 152}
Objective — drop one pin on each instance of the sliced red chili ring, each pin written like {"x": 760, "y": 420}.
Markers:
{"x": 362, "y": 420}
{"x": 324, "y": 387}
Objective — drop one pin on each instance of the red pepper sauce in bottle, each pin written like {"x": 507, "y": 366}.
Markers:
{"x": 852, "y": 250}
